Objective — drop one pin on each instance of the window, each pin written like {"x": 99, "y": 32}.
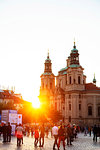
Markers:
{"x": 79, "y": 106}
{"x": 83, "y": 81}
{"x": 90, "y": 110}
{"x": 50, "y": 85}
{"x": 78, "y": 79}
{"x": 69, "y": 118}
{"x": 99, "y": 111}
{"x": 70, "y": 80}
{"x": 74, "y": 81}
{"x": 79, "y": 96}
{"x": 69, "y": 96}
{"x": 69, "y": 106}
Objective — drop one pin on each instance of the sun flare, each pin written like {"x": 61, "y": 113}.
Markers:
{"x": 36, "y": 103}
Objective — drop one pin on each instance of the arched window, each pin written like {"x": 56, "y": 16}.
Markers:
{"x": 69, "y": 106}
{"x": 79, "y": 106}
{"x": 90, "y": 110}
{"x": 79, "y": 80}
{"x": 70, "y": 80}
{"x": 99, "y": 111}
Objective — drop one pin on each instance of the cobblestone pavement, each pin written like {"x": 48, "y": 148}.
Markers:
{"x": 80, "y": 143}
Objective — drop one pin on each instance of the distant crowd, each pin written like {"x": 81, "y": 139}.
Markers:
{"x": 65, "y": 133}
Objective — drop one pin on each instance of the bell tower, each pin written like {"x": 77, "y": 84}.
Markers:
{"x": 75, "y": 76}
{"x": 74, "y": 56}
{"x": 48, "y": 65}
{"x": 47, "y": 80}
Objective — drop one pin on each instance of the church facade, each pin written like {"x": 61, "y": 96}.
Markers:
{"x": 78, "y": 101}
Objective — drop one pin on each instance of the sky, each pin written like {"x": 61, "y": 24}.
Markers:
{"x": 28, "y": 28}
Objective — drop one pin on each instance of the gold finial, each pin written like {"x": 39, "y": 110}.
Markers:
{"x": 74, "y": 44}
{"x": 48, "y": 53}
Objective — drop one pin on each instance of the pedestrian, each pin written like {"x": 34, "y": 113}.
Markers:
{"x": 32, "y": 131}
{"x": 69, "y": 134}
{"x": 4, "y": 131}
{"x": 9, "y": 129}
{"x": 55, "y": 134}
{"x": 95, "y": 131}
{"x": 36, "y": 136}
{"x": 90, "y": 129}
{"x": 42, "y": 136}
{"x": 61, "y": 136}
{"x": 19, "y": 134}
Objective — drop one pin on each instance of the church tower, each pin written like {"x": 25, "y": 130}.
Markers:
{"x": 47, "y": 81}
{"x": 75, "y": 77}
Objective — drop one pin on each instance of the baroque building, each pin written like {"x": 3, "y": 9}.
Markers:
{"x": 78, "y": 101}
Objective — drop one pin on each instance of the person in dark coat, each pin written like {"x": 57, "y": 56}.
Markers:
{"x": 95, "y": 131}
{"x": 42, "y": 130}
{"x": 9, "y": 129}
{"x": 4, "y": 131}
{"x": 69, "y": 134}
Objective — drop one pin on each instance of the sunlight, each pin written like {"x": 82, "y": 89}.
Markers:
{"x": 36, "y": 103}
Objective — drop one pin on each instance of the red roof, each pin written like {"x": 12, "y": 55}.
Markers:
{"x": 91, "y": 86}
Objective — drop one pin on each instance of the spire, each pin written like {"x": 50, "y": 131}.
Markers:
{"x": 74, "y": 44}
{"x": 48, "y": 54}
{"x": 94, "y": 80}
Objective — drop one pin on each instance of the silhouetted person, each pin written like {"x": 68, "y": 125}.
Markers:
{"x": 42, "y": 130}
{"x": 9, "y": 129}
{"x": 4, "y": 131}
{"x": 69, "y": 135}
{"x": 95, "y": 131}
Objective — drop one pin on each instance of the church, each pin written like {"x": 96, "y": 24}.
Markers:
{"x": 78, "y": 101}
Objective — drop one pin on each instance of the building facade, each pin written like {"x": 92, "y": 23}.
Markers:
{"x": 78, "y": 101}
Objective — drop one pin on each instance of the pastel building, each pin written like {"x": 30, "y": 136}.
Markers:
{"x": 78, "y": 101}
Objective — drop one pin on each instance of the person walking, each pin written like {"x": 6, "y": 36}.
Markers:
{"x": 19, "y": 133}
{"x": 61, "y": 136}
{"x": 69, "y": 134}
{"x": 55, "y": 134}
{"x": 36, "y": 136}
{"x": 42, "y": 130}
{"x": 95, "y": 131}
{"x": 9, "y": 129}
{"x": 4, "y": 131}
